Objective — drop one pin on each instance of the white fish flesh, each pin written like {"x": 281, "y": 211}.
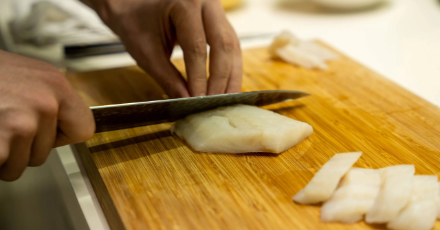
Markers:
{"x": 294, "y": 55}
{"x": 241, "y": 129}
{"x": 421, "y": 211}
{"x": 307, "y": 54}
{"x": 353, "y": 198}
{"x": 283, "y": 39}
{"x": 325, "y": 181}
{"x": 317, "y": 50}
{"x": 394, "y": 194}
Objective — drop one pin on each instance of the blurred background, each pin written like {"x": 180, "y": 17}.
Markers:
{"x": 399, "y": 39}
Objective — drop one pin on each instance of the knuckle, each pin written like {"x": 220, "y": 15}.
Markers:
{"x": 58, "y": 80}
{"x": 22, "y": 126}
{"x": 226, "y": 42}
{"x": 199, "y": 48}
{"x": 54, "y": 78}
{"x": 223, "y": 76}
{"x": 47, "y": 108}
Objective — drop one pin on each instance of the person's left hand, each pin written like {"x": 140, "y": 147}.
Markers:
{"x": 150, "y": 28}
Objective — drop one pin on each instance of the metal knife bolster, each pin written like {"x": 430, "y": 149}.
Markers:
{"x": 129, "y": 115}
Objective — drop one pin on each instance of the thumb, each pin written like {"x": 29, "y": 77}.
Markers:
{"x": 75, "y": 121}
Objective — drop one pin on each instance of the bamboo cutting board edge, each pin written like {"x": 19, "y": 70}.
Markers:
{"x": 102, "y": 194}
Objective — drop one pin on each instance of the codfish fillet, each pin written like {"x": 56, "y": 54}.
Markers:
{"x": 353, "y": 198}
{"x": 283, "y": 39}
{"x": 241, "y": 129}
{"x": 421, "y": 211}
{"x": 293, "y": 50}
{"x": 325, "y": 181}
{"x": 394, "y": 194}
{"x": 294, "y": 55}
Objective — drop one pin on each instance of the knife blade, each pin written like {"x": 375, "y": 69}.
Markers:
{"x": 129, "y": 115}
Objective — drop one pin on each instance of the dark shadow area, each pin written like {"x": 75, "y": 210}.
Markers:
{"x": 287, "y": 108}
{"x": 251, "y": 154}
{"x": 308, "y": 7}
{"x": 377, "y": 226}
{"x": 131, "y": 141}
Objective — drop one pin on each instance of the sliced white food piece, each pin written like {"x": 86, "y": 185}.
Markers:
{"x": 353, "y": 198}
{"x": 293, "y": 55}
{"x": 307, "y": 54}
{"x": 325, "y": 181}
{"x": 394, "y": 194}
{"x": 241, "y": 129}
{"x": 421, "y": 211}
{"x": 281, "y": 40}
{"x": 316, "y": 50}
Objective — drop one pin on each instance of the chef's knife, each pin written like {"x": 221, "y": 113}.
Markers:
{"x": 129, "y": 115}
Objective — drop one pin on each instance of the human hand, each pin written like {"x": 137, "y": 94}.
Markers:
{"x": 150, "y": 28}
{"x": 39, "y": 110}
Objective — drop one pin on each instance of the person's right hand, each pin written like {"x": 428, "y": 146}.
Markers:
{"x": 39, "y": 110}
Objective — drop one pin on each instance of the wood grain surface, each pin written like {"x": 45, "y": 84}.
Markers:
{"x": 156, "y": 182}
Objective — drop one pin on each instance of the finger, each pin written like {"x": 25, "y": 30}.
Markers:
{"x": 22, "y": 135}
{"x": 236, "y": 77}
{"x": 75, "y": 120}
{"x": 187, "y": 19}
{"x": 153, "y": 58}
{"x": 43, "y": 141}
{"x": 222, "y": 41}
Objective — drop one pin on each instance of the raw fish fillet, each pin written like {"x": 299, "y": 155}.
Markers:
{"x": 294, "y": 55}
{"x": 394, "y": 194}
{"x": 283, "y": 39}
{"x": 303, "y": 53}
{"x": 421, "y": 211}
{"x": 317, "y": 50}
{"x": 325, "y": 181}
{"x": 353, "y": 198}
{"x": 241, "y": 129}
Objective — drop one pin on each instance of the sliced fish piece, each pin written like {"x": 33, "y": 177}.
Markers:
{"x": 281, "y": 40}
{"x": 293, "y": 50}
{"x": 316, "y": 50}
{"x": 293, "y": 55}
{"x": 353, "y": 198}
{"x": 325, "y": 181}
{"x": 394, "y": 194}
{"x": 241, "y": 129}
{"x": 421, "y": 211}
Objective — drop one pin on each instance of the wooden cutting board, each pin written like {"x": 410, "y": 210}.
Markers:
{"x": 145, "y": 178}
